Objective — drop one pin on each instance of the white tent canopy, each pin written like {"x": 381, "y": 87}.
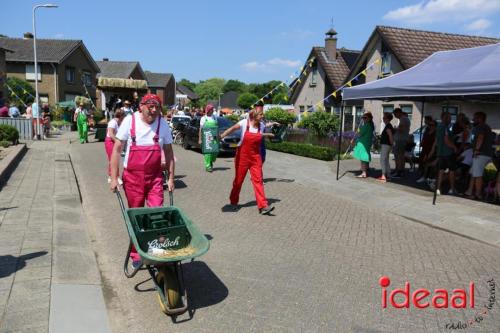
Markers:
{"x": 467, "y": 72}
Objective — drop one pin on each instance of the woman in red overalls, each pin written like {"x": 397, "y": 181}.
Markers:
{"x": 146, "y": 134}
{"x": 248, "y": 157}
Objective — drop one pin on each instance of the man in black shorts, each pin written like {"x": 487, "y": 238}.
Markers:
{"x": 446, "y": 151}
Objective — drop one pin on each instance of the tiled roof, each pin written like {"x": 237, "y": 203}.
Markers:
{"x": 338, "y": 69}
{"x": 186, "y": 91}
{"x": 412, "y": 46}
{"x": 229, "y": 99}
{"x": 158, "y": 80}
{"x": 48, "y": 50}
{"x": 117, "y": 69}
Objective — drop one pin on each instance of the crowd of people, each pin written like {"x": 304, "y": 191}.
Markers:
{"x": 452, "y": 154}
{"x": 31, "y": 111}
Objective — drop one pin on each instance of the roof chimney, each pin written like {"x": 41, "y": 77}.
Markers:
{"x": 28, "y": 35}
{"x": 331, "y": 44}
{"x": 105, "y": 59}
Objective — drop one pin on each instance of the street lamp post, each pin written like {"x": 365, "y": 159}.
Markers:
{"x": 39, "y": 137}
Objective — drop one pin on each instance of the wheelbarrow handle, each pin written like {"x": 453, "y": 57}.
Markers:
{"x": 171, "y": 197}
{"x": 122, "y": 205}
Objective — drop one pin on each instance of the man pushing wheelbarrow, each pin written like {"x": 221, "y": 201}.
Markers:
{"x": 160, "y": 237}
{"x": 146, "y": 135}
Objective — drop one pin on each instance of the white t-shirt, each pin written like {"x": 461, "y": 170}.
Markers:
{"x": 467, "y": 155}
{"x": 114, "y": 125}
{"x": 243, "y": 126}
{"x": 204, "y": 119}
{"x": 144, "y": 133}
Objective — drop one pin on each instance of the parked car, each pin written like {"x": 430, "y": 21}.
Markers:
{"x": 180, "y": 120}
{"x": 228, "y": 144}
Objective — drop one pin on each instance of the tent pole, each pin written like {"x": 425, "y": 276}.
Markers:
{"x": 340, "y": 137}
{"x": 421, "y": 125}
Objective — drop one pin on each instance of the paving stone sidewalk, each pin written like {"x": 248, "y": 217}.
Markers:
{"x": 47, "y": 266}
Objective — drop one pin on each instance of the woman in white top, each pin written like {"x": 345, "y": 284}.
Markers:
{"x": 109, "y": 142}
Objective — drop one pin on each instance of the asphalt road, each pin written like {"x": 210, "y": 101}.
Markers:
{"x": 313, "y": 267}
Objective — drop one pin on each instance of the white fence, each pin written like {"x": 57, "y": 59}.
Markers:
{"x": 23, "y": 125}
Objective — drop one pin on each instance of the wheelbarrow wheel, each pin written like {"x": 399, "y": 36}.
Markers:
{"x": 168, "y": 280}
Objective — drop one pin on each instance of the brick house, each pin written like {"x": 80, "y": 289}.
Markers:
{"x": 65, "y": 67}
{"x": 3, "y": 74}
{"x": 162, "y": 84}
{"x": 184, "y": 96}
{"x": 399, "y": 49}
{"x": 327, "y": 68}
{"x": 119, "y": 79}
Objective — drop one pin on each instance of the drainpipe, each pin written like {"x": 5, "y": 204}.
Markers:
{"x": 56, "y": 83}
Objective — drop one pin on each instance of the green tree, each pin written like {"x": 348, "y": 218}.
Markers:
{"x": 280, "y": 98}
{"x": 235, "y": 85}
{"x": 188, "y": 84}
{"x": 22, "y": 88}
{"x": 209, "y": 89}
{"x": 246, "y": 100}
{"x": 320, "y": 123}
{"x": 280, "y": 116}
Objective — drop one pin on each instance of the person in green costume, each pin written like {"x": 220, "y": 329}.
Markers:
{"x": 208, "y": 120}
{"x": 364, "y": 143}
{"x": 81, "y": 122}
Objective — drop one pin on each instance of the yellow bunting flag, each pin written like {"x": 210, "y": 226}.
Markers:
{"x": 363, "y": 72}
{"x": 334, "y": 94}
{"x": 251, "y": 107}
{"x": 377, "y": 61}
{"x": 298, "y": 80}
{"x": 301, "y": 68}
{"x": 285, "y": 98}
{"x": 349, "y": 84}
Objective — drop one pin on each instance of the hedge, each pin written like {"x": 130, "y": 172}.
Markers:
{"x": 301, "y": 149}
{"x": 9, "y": 133}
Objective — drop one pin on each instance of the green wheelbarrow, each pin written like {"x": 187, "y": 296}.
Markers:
{"x": 156, "y": 229}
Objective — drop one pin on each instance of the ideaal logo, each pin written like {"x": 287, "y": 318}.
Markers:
{"x": 420, "y": 297}
{"x": 461, "y": 298}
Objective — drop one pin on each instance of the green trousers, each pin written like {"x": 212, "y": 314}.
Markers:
{"x": 83, "y": 128}
{"x": 209, "y": 160}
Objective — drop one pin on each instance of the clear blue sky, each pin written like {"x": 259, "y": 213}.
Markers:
{"x": 253, "y": 41}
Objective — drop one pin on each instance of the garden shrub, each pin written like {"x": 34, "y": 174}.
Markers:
{"x": 9, "y": 133}
{"x": 301, "y": 149}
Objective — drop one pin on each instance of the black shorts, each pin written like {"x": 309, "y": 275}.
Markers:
{"x": 447, "y": 162}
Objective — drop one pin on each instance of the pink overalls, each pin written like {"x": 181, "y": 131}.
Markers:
{"x": 248, "y": 158}
{"x": 143, "y": 178}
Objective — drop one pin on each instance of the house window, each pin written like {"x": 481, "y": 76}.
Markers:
{"x": 314, "y": 77}
{"x": 387, "y": 108}
{"x": 69, "y": 97}
{"x": 453, "y": 110}
{"x": 70, "y": 74}
{"x": 310, "y": 108}
{"x": 408, "y": 109}
{"x": 30, "y": 72}
{"x": 87, "y": 78}
{"x": 386, "y": 64}
{"x": 302, "y": 108}
{"x": 359, "y": 113}
{"x": 348, "y": 119}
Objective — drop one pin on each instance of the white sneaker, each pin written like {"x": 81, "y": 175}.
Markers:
{"x": 109, "y": 180}
{"x": 421, "y": 179}
{"x": 120, "y": 181}
{"x": 438, "y": 192}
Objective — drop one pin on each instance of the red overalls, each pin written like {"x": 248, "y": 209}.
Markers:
{"x": 143, "y": 178}
{"x": 248, "y": 157}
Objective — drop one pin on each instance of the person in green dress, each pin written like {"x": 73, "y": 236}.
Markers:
{"x": 208, "y": 120}
{"x": 80, "y": 118}
{"x": 364, "y": 143}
